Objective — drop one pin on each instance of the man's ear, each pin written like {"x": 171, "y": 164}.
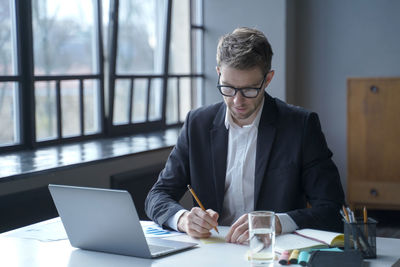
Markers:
{"x": 269, "y": 77}
{"x": 217, "y": 69}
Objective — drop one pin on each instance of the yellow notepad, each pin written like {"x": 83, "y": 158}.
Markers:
{"x": 212, "y": 240}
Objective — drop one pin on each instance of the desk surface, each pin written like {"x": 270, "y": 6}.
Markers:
{"x": 18, "y": 251}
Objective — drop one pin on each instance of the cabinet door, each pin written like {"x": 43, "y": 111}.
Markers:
{"x": 373, "y": 130}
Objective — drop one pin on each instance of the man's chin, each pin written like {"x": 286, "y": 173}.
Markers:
{"x": 240, "y": 116}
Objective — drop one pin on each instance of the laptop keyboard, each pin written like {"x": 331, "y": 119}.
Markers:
{"x": 155, "y": 249}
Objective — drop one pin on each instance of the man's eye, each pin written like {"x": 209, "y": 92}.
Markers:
{"x": 225, "y": 88}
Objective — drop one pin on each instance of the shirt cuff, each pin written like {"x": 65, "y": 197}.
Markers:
{"x": 172, "y": 222}
{"x": 287, "y": 223}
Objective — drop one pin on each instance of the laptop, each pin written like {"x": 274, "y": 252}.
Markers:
{"x": 106, "y": 220}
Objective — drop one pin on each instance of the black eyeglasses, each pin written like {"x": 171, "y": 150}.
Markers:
{"x": 230, "y": 91}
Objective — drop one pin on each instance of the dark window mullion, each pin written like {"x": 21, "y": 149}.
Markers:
{"x": 100, "y": 55}
{"x": 178, "y": 96}
{"x": 192, "y": 53}
{"x": 166, "y": 60}
{"x": 23, "y": 16}
{"x": 9, "y": 78}
{"x": 59, "y": 110}
{"x": 112, "y": 62}
{"x": 81, "y": 107}
{"x": 148, "y": 99}
{"x": 191, "y": 11}
{"x": 130, "y": 100}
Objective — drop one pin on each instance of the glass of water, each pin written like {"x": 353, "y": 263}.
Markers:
{"x": 262, "y": 237}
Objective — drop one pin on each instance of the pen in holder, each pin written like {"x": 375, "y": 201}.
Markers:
{"x": 361, "y": 236}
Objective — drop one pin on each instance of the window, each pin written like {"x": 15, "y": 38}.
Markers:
{"x": 156, "y": 77}
{"x": 73, "y": 70}
{"x": 140, "y": 36}
{"x": 184, "y": 92}
{"x": 66, "y": 47}
{"x": 9, "y": 86}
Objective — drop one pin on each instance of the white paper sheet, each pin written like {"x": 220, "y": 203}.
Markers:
{"x": 49, "y": 231}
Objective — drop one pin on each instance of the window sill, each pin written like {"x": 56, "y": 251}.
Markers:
{"x": 16, "y": 165}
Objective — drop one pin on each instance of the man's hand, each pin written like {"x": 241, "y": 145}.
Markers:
{"x": 198, "y": 223}
{"x": 239, "y": 231}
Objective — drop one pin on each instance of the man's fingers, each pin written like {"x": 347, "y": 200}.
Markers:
{"x": 194, "y": 233}
{"x": 242, "y": 220}
{"x": 239, "y": 231}
{"x": 209, "y": 222}
{"x": 244, "y": 237}
{"x": 213, "y": 214}
{"x": 198, "y": 222}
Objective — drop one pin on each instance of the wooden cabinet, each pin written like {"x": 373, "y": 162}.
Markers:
{"x": 373, "y": 142}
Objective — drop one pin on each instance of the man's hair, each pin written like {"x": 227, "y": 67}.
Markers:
{"x": 244, "y": 48}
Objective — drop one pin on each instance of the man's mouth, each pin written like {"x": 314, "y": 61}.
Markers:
{"x": 241, "y": 109}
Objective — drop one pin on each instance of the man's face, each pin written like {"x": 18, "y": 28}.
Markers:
{"x": 244, "y": 110}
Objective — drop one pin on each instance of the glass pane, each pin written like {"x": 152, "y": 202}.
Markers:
{"x": 91, "y": 106}
{"x": 46, "y": 111}
{"x": 121, "y": 102}
{"x": 185, "y": 97}
{"x": 70, "y": 118}
{"x": 172, "y": 102}
{"x": 105, "y": 5}
{"x": 7, "y": 39}
{"x": 179, "y": 58}
{"x": 64, "y": 37}
{"x": 197, "y": 64}
{"x": 139, "y": 100}
{"x": 9, "y": 133}
{"x": 197, "y": 85}
{"x": 155, "y": 100}
{"x": 140, "y": 36}
{"x": 197, "y": 9}
{"x": 106, "y": 34}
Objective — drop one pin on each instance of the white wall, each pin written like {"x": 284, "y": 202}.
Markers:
{"x": 317, "y": 46}
{"x": 223, "y": 16}
{"x": 337, "y": 39}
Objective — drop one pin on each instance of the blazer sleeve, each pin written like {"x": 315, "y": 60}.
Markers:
{"x": 320, "y": 181}
{"x": 162, "y": 200}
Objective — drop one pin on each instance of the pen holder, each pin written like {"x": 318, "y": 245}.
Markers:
{"x": 361, "y": 236}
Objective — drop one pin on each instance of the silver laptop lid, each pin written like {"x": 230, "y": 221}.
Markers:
{"x": 100, "y": 219}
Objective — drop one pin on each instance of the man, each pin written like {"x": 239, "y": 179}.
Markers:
{"x": 250, "y": 152}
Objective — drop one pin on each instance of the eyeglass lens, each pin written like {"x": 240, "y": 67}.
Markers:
{"x": 246, "y": 92}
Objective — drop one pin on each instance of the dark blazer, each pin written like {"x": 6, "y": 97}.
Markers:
{"x": 293, "y": 166}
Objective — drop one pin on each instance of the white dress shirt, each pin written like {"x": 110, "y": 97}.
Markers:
{"x": 240, "y": 175}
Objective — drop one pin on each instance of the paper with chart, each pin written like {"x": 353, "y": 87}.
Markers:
{"x": 151, "y": 229}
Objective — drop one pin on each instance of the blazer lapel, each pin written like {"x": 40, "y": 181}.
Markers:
{"x": 219, "y": 150}
{"x": 265, "y": 140}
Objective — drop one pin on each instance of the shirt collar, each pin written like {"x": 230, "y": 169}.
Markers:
{"x": 230, "y": 123}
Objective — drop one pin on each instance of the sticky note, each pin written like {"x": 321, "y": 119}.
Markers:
{"x": 212, "y": 240}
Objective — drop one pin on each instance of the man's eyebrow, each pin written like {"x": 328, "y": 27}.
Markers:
{"x": 255, "y": 85}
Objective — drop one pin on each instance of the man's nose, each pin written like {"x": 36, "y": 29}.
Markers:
{"x": 238, "y": 98}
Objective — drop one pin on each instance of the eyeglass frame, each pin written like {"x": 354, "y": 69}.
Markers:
{"x": 240, "y": 89}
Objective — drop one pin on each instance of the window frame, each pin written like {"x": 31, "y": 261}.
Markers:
{"x": 161, "y": 124}
{"x": 26, "y": 78}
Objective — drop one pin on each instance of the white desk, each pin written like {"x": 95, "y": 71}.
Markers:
{"x": 19, "y": 251}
